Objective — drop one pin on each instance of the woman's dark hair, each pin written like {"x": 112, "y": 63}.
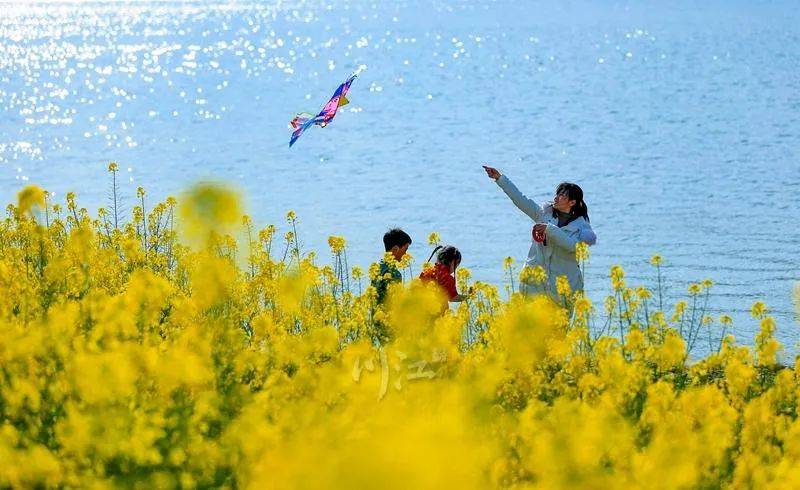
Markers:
{"x": 446, "y": 254}
{"x": 574, "y": 193}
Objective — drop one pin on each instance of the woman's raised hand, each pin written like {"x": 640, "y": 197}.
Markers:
{"x": 492, "y": 172}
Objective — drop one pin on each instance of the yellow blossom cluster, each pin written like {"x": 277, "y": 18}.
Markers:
{"x": 185, "y": 349}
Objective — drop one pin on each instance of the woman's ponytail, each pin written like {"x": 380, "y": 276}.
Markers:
{"x": 582, "y": 210}
{"x": 574, "y": 193}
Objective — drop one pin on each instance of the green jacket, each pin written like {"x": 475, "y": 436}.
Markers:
{"x": 388, "y": 274}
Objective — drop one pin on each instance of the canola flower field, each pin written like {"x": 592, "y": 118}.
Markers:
{"x": 184, "y": 348}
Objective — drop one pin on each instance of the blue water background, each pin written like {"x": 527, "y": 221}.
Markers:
{"x": 678, "y": 119}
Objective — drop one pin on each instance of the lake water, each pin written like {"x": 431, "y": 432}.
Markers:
{"x": 679, "y": 121}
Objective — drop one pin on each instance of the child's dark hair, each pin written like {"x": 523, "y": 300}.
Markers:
{"x": 446, "y": 254}
{"x": 397, "y": 237}
{"x": 574, "y": 193}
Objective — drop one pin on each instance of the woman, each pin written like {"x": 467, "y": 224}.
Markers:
{"x": 559, "y": 226}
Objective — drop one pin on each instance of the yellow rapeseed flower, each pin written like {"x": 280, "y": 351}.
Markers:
{"x": 209, "y": 208}
{"x": 581, "y": 252}
{"x": 617, "y": 277}
{"x": 672, "y": 352}
{"x": 138, "y": 360}
{"x": 562, "y": 286}
{"x": 30, "y": 198}
{"x": 374, "y": 269}
{"x": 610, "y": 304}
{"x": 406, "y": 260}
{"x": 758, "y": 310}
{"x": 583, "y": 305}
{"x": 336, "y": 243}
{"x": 533, "y": 275}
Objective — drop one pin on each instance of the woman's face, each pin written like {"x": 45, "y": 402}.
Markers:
{"x": 563, "y": 203}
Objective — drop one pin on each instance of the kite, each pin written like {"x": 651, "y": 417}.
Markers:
{"x": 304, "y": 120}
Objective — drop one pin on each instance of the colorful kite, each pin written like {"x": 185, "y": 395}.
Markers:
{"x": 303, "y": 121}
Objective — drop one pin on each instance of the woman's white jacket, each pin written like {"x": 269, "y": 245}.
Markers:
{"x": 557, "y": 258}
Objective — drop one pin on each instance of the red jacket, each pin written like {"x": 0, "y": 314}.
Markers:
{"x": 440, "y": 274}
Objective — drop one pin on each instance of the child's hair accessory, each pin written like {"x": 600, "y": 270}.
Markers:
{"x": 438, "y": 247}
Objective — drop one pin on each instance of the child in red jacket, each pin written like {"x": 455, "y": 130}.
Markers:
{"x": 443, "y": 272}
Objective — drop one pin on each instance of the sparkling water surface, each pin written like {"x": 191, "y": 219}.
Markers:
{"x": 679, "y": 121}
